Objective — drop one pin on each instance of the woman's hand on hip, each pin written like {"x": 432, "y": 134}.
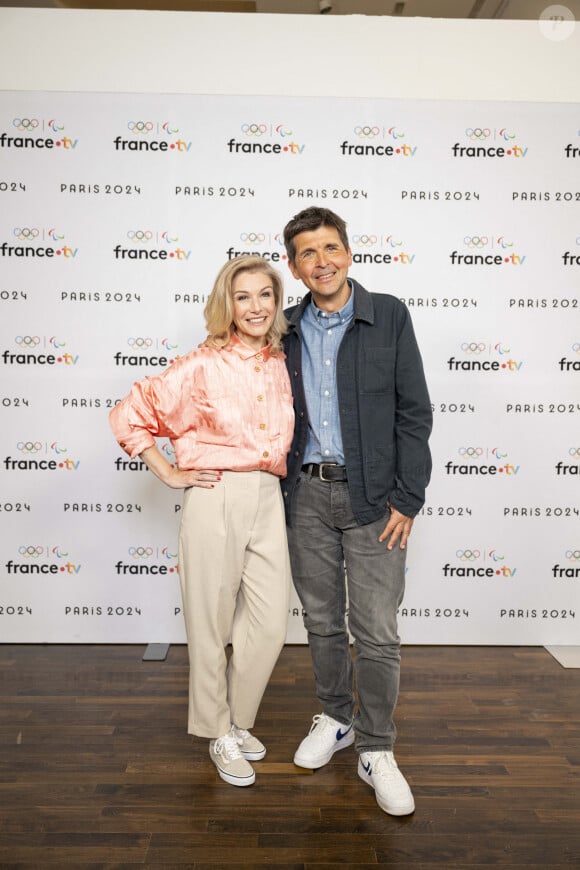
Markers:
{"x": 205, "y": 479}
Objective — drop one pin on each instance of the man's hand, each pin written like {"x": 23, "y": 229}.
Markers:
{"x": 398, "y": 528}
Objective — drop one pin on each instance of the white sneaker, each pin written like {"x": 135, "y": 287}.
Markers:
{"x": 250, "y": 747}
{"x": 326, "y": 736}
{"x": 231, "y": 765}
{"x": 380, "y": 771}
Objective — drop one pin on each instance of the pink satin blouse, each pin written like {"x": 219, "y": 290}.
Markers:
{"x": 224, "y": 409}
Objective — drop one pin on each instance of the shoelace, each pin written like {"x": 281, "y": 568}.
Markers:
{"x": 227, "y": 747}
{"x": 239, "y": 734}
{"x": 385, "y": 764}
{"x": 321, "y": 722}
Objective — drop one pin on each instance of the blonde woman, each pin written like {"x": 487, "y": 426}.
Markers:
{"x": 227, "y": 409}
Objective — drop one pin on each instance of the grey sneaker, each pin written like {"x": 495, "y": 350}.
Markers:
{"x": 231, "y": 765}
{"x": 251, "y": 748}
{"x": 326, "y": 736}
{"x": 381, "y": 772}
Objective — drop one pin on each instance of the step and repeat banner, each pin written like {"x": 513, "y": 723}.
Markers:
{"x": 117, "y": 210}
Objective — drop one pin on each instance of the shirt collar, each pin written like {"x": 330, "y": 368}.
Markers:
{"x": 326, "y": 319}
{"x": 244, "y": 351}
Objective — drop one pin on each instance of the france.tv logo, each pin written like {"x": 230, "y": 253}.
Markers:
{"x": 570, "y": 571}
{"x": 475, "y": 563}
{"x": 30, "y": 241}
{"x": 381, "y": 249}
{"x": 53, "y": 456}
{"x": 36, "y": 559}
{"x": 265, "y": 137}
{"x": 147, "y": 244}
{"x": 485, "y": 356}
{"x": 376, "y": 140}
{"x": 155, "y": 136}
{"x": 37, "y": 133}
{"x": 490, "y": 142}
{"x": 39, "y": 350}
{"x": 147, "y": 560}
{"x": 476, "y": 460}
{"x": 487, "y": 250}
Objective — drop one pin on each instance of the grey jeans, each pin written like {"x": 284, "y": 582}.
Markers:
{"x": 324, "y": 539}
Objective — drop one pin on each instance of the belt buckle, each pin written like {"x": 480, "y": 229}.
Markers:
{"x": 321, "y": 468}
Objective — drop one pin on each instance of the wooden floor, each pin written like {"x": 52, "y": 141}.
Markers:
{"x": 97, "y": 771}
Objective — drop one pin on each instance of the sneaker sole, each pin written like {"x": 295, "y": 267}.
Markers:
{"x": 321, "y": 760}
{"x": 253, "y": 756}
{"x": 405, "y": 810}
{"x": 235, "y": 780}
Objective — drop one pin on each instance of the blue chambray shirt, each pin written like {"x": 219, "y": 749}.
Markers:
{"x": 322, "y": 334}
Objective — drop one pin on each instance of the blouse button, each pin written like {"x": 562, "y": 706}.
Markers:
{"x": 265, "y": 454}
{"x": 262, "y": 426}
{"x": 260, "y": 398}
{"x": 260, "y": 357}
{"x": 257, "y": 368}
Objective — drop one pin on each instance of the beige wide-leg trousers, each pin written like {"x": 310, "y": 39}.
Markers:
{"x": 235, "y": 583}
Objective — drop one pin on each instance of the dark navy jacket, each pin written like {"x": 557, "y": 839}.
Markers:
{"x": 384, "y": 406}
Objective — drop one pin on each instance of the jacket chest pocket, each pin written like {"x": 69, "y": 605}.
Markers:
{"x": 377, "y": 373}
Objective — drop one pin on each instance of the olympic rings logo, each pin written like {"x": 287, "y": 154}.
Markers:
{"x": 29, "y": 446}
{"x": 254, "y": 129}
{"x": 140, "y": 235}
{"x": 574, "y": 451}
{"x": 139, "y": 342}
{"x": 573, "y": 555}
{"x": 468, "y": 555}
{"x": 140, "y": 552}
{"x": 478, "y": 133}
{"x": 470, "y": 451}
{"x": 23, "y": 233}
{"x": 25, "y": 123}
{"x": 476, "y": 241}
{"x": 27, "y": 340}
{"x": 473, "y": 346}
{"x": 364, "y": 240}
{"x": 367, "y": 132}
{"x": 31, "y": 552}
{"x": 253, "y": 238}
{"x": 140, "y": 126}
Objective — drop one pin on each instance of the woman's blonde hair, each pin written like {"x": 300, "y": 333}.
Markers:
{"x": 219, "y": 310}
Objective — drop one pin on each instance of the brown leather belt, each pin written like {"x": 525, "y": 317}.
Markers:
{"x": 330, "y": 472}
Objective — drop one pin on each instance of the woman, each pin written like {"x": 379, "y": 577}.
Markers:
{"x": 227, "y": 408}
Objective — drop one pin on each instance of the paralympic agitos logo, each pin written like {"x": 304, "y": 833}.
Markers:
{"x": 37, "y": 133}
{"x": 156, "y": 136}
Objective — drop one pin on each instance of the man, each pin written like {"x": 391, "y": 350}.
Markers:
{"x": 357, "y": 472}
